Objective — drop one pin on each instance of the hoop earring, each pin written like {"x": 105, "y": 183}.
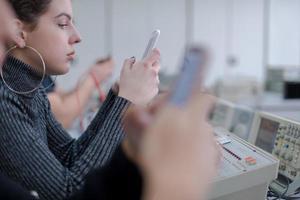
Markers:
{"x": 43, "y": 76}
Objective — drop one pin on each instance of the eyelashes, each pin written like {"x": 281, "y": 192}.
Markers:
{"x": 63, "y": 26}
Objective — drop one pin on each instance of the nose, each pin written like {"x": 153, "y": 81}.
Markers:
{"x": 75, "y": 37}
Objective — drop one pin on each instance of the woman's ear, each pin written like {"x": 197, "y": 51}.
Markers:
{"x": 20, "y": 34}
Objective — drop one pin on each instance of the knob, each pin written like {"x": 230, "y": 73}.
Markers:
{"x": 294, "y": 173}
{"x": 282, "y": 167}
{"x": 290, "y": 157}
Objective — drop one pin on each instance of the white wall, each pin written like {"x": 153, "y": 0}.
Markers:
{"x": 122, "y": 29}
{"x": 247, "y": 37}
{"x": 171, "y": 20}
{"x": 134, "y": 20}
{"x": 129, "y": 29}
{"x": 231, "y": 28}
{"x": 210, "y": 29}
{"x": 284, "y": 38}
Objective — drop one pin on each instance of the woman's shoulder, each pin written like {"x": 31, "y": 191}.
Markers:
{"x": 6, "y": 94}
{"x": 9, "y": 100}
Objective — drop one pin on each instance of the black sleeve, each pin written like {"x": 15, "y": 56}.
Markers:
{"x": 10, "y": 190}
{"x": 119, "y": 179}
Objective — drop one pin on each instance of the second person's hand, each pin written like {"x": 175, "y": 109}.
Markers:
{"x": 103, "y": 69}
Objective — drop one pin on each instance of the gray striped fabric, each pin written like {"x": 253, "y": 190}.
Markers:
{"x": 37, "y": 152}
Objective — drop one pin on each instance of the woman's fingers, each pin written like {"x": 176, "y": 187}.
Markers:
{"x": 153, "y": 58}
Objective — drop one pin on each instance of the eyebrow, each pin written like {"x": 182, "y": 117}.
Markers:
{"x": 64, "y": 14}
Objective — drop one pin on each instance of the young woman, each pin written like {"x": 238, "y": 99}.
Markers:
{"x": 35, "y": 149}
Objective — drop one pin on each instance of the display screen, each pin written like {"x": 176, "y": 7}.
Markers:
{"x": 267, "y": 134}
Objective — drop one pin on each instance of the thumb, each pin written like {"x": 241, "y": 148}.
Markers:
{"x": 128, "y": 63}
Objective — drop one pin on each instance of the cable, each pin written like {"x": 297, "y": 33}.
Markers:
{"x": 287, "y": 188}
{"x": 274, "y": 194}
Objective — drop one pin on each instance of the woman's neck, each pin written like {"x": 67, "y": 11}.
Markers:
{"x": 29, "y": 57}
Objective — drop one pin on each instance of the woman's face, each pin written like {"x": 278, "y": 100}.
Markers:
{"x": 54, "y": 37}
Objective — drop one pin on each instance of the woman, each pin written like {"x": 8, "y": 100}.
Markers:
{"x": 35, "y": 150}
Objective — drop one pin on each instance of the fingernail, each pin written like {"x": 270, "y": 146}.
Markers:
{"x": 133, "y": 59}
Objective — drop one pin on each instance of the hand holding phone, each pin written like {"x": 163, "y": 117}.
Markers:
{"x": 191, "y": 76}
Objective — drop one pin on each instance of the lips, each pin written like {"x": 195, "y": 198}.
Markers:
{"x": 71, "y": 56}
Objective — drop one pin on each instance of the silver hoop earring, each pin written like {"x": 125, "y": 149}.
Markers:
{"x": 43, "y": 76}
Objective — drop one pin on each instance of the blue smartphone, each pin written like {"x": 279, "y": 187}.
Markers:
{"x": 191, "y": 76}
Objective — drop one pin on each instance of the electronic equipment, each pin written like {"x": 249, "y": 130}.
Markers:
{"x": 152, "y": 43}
{"x": 292, "y": 90}
{"x": 222, "y": 114}
{"x": 245, "y": 170}
{"x": 237, "y": 119}
{"x": 241, "y": 122}
{"x": 281, "y": 137}
{"x": 191, "y": 77}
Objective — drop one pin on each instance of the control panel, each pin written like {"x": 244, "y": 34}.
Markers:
{"x": 241, "y": 122}
{"x": 222, "y": 114}
{"x": 245, "y": 171}
{"x": 287, "y": 149}
{"x": 234, "y": 118}
{"x": 281, "y": 137}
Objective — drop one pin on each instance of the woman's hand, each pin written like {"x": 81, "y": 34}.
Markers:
{"x": 139, "y": 80}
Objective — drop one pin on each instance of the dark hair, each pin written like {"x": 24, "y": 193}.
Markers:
{"x": 29, "y": 11}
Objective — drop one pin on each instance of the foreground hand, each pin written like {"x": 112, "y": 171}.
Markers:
{"x": 179, "y": 152}
{"x": 176, "y": 152}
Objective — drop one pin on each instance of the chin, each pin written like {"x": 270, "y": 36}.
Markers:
{"x": 66, "y": 69}
{"x": 60, "y": 71}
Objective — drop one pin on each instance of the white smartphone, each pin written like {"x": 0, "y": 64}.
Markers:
{"x": 191, "y": 77}
{"x": 152, "y": 43}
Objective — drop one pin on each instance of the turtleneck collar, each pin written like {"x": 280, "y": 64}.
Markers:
{"x": 20, "y": 76}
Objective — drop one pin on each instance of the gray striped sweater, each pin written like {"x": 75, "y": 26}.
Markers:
{"x": 37, "y": 152}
